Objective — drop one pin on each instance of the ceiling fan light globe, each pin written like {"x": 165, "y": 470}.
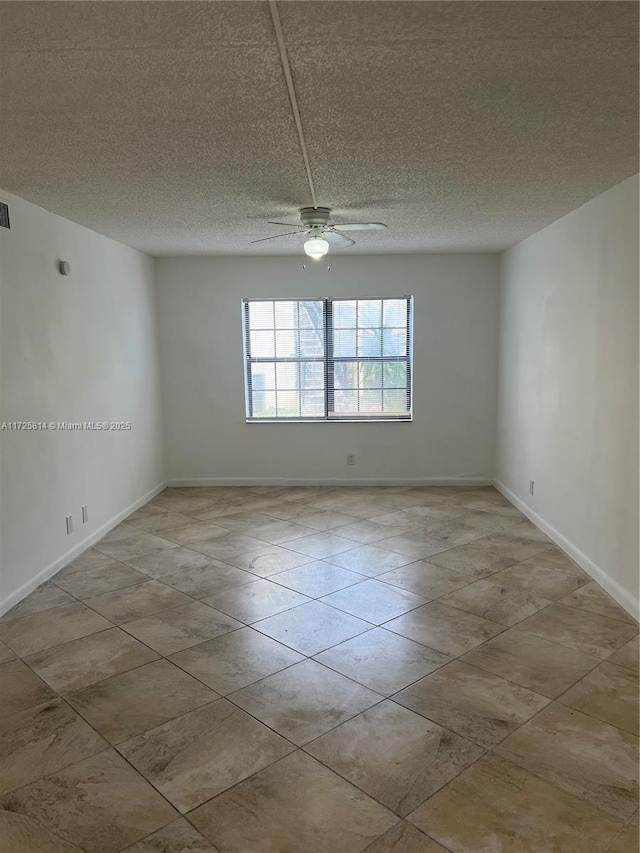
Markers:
{"x": 316, "y": 248}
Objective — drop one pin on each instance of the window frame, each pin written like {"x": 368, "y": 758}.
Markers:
{"x": 328, "y": 359}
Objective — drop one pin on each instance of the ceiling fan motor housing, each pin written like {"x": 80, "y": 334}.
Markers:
{"x": 311, "y": 216}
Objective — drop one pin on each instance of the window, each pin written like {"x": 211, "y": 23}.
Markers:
{"x": 328, "y": 359}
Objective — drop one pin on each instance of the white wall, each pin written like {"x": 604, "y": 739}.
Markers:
{"x": 75, "y": 348}
{"x": 455, "y": 367}
{"x": 568, "y": 386}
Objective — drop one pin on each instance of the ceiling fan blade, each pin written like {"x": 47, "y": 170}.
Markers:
{"x": 361, "y": 226}
{"x": 338, "y": 239}
{"x": 286, "y": 224}
{"x": 275, "y": 236}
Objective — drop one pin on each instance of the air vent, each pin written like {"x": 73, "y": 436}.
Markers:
{"x": 4, "y": 215}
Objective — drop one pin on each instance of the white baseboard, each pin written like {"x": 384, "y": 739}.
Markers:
{"x": 54, "y": 567}
{"x": 342, "y": 481}
{"x": 616, "y": 591}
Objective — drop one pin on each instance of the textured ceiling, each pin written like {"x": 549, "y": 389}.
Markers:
{"x": 462, "y": 125}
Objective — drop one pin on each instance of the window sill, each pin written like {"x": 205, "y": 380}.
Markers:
{"x": 329, "y": 421}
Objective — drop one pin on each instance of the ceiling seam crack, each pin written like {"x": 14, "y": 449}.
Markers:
{"x": 284, "y": 60}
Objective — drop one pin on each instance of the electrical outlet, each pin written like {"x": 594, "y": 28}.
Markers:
{"x": 69, "y": 520}
{"x": 85, "y": 514}
{"x": 531, "y": 486}
{"x": 351, "y": 458}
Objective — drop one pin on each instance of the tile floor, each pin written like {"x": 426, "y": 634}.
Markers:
{"x": 316, "y": 670}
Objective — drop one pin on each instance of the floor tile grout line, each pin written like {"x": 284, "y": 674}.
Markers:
{"x": 493, "y": 749}
{"x": 109, "y": 747}
{"x": 367, "y": 793}
{"x": 629, "y": 621}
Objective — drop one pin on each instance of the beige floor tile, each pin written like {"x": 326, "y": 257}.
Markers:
{"x": 443, "y": 628}
{"x": 581, "y": 755}
{"x": 197, "y": 756}
{"x": 199, "y": 577}
{"x": 196, "y": 531}
{"x": 594, "y": 599}
{"x": 127, "y": 549}
{"x": 542, "y": 666}
{"x": 373, "y": 601}
{"x": 166, "y": 562}
{"x": 398, "y": 520}
{"x": 579, "y": 629}
{"x": 475, "y": 704}
{"x": 257, "y": 600}
{"x": 90, "y": 559}
{"x": 325, "y": 520}
{"x": 44, "y": 598}
{"x": 277, "y": 532}
{"x": 269, "y": 560}
{"x": 141, "y": 699}
{"x": 425, "y": 579}
{"x": 43, "y": 740}
{"x": 491, "y": 500}
{"x": 553, "y": 558}
{"x": 188, "y": 550}
{"x": 242, "y": 521}
{"x": 548, "y": 583}
{"x": 317, "y": 579}
{"x": 134, "y": 602}
{"x": 628, "y": 655}
{"x": 369, "y": 560}
{"x": 269, "y": 813}
{"x": 85, "y": 583}
{"x": 122, "y": 531}
{"x": 399, "y": 499}
{"x": 144, "y": 511}
{"x": 312, "y": 628}
{"x": 321, "y": 545}
{"x": 101, "y": 804}
{"x": 488, "y": 555}
{"x": 196, "y": 505}
{"x": 236, "y": 660}
{"x": 494, "y": 600}
{"x": 6, "y": 653}
{"x": 404, "y": 838}
{"x": 359, "y": 507}
{"x": 609, "y": 693}
{"x": 160, "y": 521}
{"x": 383, "y": 661}
{"x": 487, "y": 521}
{"x": 430, "y": 511}
{"x": 507, "y": 810}
{"x": 394, "y": 755}
{"x": 23, "y": 834}
{"x": 89, "y": 659}
{"x": 51, "y": 628}
{"x": 177, "y": 837}
{"x": 172, "y": 630}
{"x": 21, "y": 689}
{"x": 304, "y": 701}
{"x": 628, "y": 841}
{"x": 216, "y": 510}
{"x": 230, "y": 545}
{"x": 285, "y": 510}
{"x": 368, "y": 532}
{"x": 413, "y": 545}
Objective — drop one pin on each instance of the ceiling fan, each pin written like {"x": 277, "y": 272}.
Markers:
{"x": 321, "y": 233}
